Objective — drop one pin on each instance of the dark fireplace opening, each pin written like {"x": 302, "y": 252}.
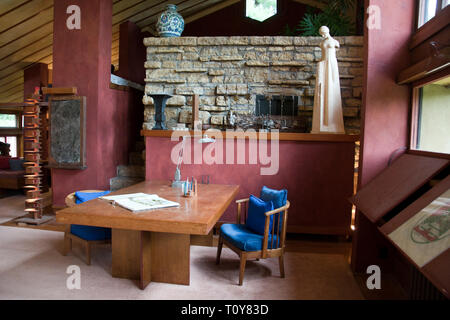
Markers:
{"x": 276, "y": 105}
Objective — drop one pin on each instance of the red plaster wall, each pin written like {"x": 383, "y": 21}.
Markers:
{"x": 34, "y": 76}
{"x": 385, "y": 104}
{"x": 132, "y": 53}
{"x": 318, "y": 176}
{"x": 385, "y": 111}
{"x": 82, "y": 58}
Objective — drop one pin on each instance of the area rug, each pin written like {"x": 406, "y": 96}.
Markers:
{"x": 32, "y": 267}
{"x": 12, "y": 207}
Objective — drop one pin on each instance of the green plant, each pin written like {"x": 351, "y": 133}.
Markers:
{"x": 288, "y": 31}
{"x": 333, "y": 16}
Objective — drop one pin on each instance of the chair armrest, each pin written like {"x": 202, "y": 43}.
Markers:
{"x": 283, "y": 208}
{"x": 239, "y": 209}
{"x": 266, "y": 228}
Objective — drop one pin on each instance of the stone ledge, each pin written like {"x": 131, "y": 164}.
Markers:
{"x": 216, "y": 72}
{"x": 152, "y": 64}
{"x": 288, "y": 64}
{"x": 257, "y": 63}
{"x": 191, "y": 70}
{"x": 342, "y": 59}
{"x": 169, "y": 50}
{"x": 172, "y": 81}
{"x": 174, "y": 101}
{"x": 226, "y": 58}
{"x": 174, "y": 41}
{"x": 213, "y": 108}
{"x": 290, "y": 82}
{"x": 246, "y": 40}
{"x": 189, "y": 90}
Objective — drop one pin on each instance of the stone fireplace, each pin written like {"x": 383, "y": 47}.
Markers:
{"x": 234, "y": 75}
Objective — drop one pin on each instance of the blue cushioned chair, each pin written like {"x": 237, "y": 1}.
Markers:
{"x": 86, "y": 235}
{"x": 264, "y": 230}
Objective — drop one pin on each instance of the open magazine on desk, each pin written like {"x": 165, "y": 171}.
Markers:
{"x": 140, "y": 201}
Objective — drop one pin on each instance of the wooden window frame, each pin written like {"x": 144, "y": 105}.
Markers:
{"x": 18, "y": 123}
{"x": 432, "y": 27}
{"x": 416, "y": 109}
{"x": 16, "y": 131}
{"x": 420, "y": 12}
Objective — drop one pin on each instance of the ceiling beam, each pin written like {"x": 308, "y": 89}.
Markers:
{"x": 7, "y": 5}
{"x": 23, "y": 13}
{"x": 25, "y": 27}
{"x": 26, "y": 40}
{"x": 12, "y": 77}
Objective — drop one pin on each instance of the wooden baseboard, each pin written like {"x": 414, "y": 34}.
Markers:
{"x": 338, "y": 231}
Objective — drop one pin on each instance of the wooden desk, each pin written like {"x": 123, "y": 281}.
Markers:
{"x": 154, "y": 245}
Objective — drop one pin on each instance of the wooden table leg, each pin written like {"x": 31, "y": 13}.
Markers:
{"x": 145, "y": 260}
{"x": 126, "y": 252}
{"x": 170, "y": 257}
{"x": 150, "y": 256}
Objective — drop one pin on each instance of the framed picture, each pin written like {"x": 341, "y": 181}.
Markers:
{"x": 67, "y": 138}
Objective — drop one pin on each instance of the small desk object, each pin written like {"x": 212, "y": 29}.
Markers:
{"x": 154, "y": 245}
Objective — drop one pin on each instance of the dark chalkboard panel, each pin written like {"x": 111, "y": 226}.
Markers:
{"x": 67, "y": 132}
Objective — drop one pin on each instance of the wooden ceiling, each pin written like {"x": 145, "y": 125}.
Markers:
{"x": 26, "y": 32}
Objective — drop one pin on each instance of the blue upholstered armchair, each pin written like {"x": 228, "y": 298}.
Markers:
{"x": 86, "y": 235}
{"x": 264, "y": 230}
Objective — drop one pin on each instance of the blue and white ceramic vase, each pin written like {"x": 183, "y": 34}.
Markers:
{"x": 170, "y": 23}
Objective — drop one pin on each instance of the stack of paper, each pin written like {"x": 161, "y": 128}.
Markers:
{"x": 140, "y": 201}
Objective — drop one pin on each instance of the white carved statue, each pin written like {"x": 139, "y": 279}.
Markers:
{"x": 327, "y": 113}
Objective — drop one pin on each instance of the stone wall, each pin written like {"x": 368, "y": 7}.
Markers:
{"x": 228, "y": 72}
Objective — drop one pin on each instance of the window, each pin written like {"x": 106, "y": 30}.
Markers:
{"x": 428, "y": 9}
{"x": 431, "y": 117}
{"x": 260, "y": 10}
{"x": 8, "y": 120}
{"x": 12, "y": 141}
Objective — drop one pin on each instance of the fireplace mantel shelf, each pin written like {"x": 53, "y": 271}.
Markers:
{"x": 283, "y": 136}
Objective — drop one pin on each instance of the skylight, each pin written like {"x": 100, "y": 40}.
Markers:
{"x": 261, "y": 10}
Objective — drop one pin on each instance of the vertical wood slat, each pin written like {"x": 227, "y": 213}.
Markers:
{"x": 283, "y": 229}
{"x": 266, "y": 237}
{"x": 278, "y": 229}
{"x": 273, "y": 230}
{"x": 245, "y": 211}
{"x": 239, "y": 213}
